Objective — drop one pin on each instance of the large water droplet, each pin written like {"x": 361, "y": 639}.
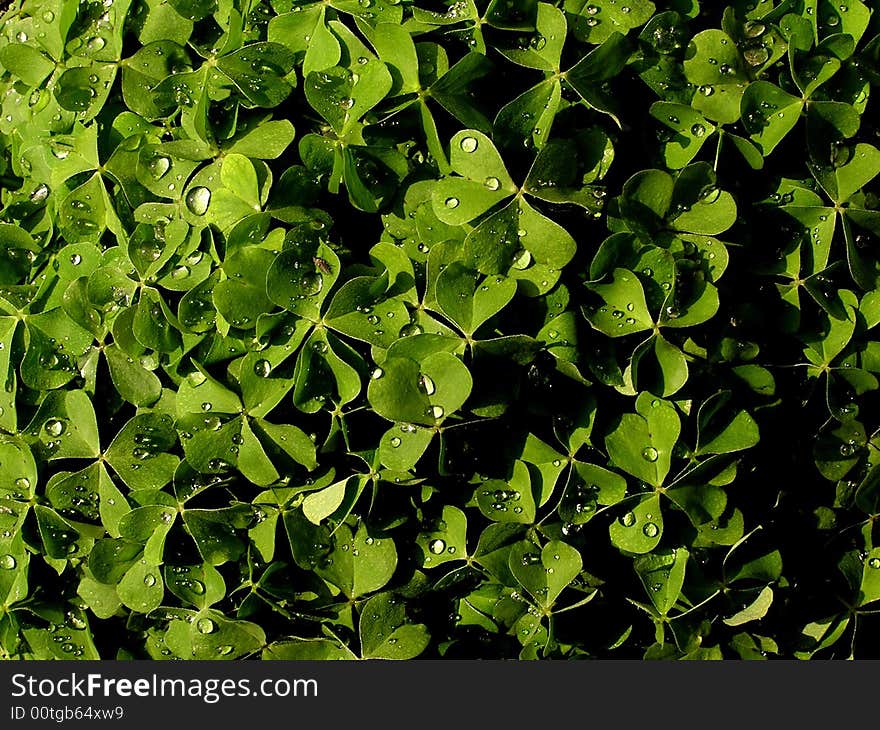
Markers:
{"x": 40, "y": 193}
{"x": 469, "y": 144}
{"x": 198, "y": 199}
{"x": 437, "y": 546}
{"x": 205, "y": 625}
{"x": 197, "y": 587}
{"x": 649, "y": 453}
{"x": 262, "y": 368}
{"x": 628, "y": 519}
{"x": 54, "y": 427}
{"x": 426, "y": 385}
{"x": 159, "y": 165}
{"x": 650, "y": 529}
{"x": 7, "y": 562}
{"x": 149, "y": 580}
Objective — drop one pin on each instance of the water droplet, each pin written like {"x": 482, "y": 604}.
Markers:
{"x": 756, "y": 56}
{"x": 426, "y": 385}
{"x": 493, "y": 183}
{"x": 262, "y": 368}
{"x": 377, "y": 373}
{"x": 23, "y": 483}
{"x": 224, "y": 650}
{"x": 469, "y": 144}
{"x": 7, "y": 562}
{"x": 651, "y": 530}
{"x": 753, "y": 29}
{"x": 40, "y": 193}
{"x": 874, "y": 563}
{"x": 198, "y": 199}
{"x": 698, "y": 130}
{"x": 194, "y": 258}
{"x": 628, "y": 519}
{"x": 159, "y": 166}
{"x": 207, "y": 406}
{"x": 649, "y": 453}
{"x": 435, "y": 412}
{"x": 54, "y": 427}
{"x": 205, "y": 625}
{"x": 452, "y": 202}
{"x": 149, "y": 580}
{"x": 95, "y": 44}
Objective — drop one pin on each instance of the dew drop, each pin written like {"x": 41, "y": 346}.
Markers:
{"x": 205, "y": 625}
{"x": 40, "y": 193}
{"x": 426, "y": 385}
{"x": 198, "y": 199}
{"x": 54, "y": 427}
{"x": 159, "y": 165}
{"x": 469, "y": 144}
{"x": 649, "y": 453}
{"x": 262, "y": 368}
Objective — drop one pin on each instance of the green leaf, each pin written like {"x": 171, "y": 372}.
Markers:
{"x": 713, "y": 64}
{"x": 401, "y": 390}
{"x": 754, "y": 611}
{"x": 385, "y": 632}
{"x": 662, "y": 575}
{"x": 468, "y": 299}
{"x": 446, "y": 541}
{"x": 769, "y": 114}
{"x": 624, "y": 310}
{"x": 641, "y": 443}
{"x": 142, "y": 588}
{"x": 139, "y": 453}
{"x": 545, "y": 573}
{"x": 640, "y": 528}
{"x": 359, "y": 563}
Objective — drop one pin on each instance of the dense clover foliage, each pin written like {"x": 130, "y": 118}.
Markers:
{"x": 401, "y": 328}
